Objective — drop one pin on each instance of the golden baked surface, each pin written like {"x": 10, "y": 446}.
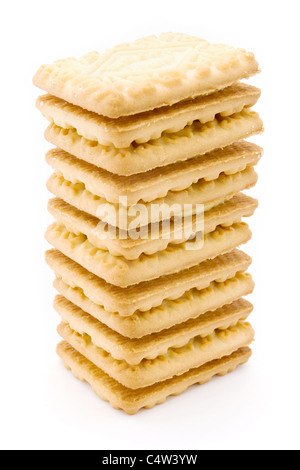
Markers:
{"x": 133, "y": 351}
{"x": 197, "y": 352}
{"x": 157, "y": 183}
{"x": 225, "y": 214}
{"x": 145, "y": 296}
{"x": 131, "y": 401}
{"x": 196, "y": 139}
{"x": 146, "y": 74}
{"x": 143, "y": 127}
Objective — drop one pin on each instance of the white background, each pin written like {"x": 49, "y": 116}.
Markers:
{"x": 42, "y": 405}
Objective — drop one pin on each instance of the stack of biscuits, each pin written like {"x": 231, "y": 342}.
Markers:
{"x": 144, "y": 133}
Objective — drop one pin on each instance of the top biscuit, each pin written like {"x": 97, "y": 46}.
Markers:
{"x": 146, "y": 74}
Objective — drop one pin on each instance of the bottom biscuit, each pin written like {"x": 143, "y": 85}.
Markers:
{"x": 131, "y": 401}
{"x": 197, "y": 352}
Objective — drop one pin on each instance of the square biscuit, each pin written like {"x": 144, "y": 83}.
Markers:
{"x": 197, "y": 352}
{"x": 158, "y": 237}
{"x": 210, "y": 194}
{"x": 146, "y": 74}
{"x": 143, "y": 127}
{"x": 131, "y": 401}
{"x": 196, "y": 139}
{"x": 123, "y": 273}
{"x": 143, "y": 297}
{"x": 192, "y": 304}
{"x": 133, "y": 351}
{"x": 155, "y": 184}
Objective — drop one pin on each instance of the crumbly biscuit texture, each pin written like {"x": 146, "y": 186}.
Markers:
{"x": 157, "y": 238}
{"x": 143, "y": 127}
{"x": 209, "y": 193}
{"x": 171, "y": 312}
{"x": 147, "y": 187}
{"x": 132, "y": 401}
{"x": 146, "y": 295}
{"x": 123, "y": 273}
{"x": 146, "y": 74}
{"x": 133, "y": 351}
{"x": 193, "y": 140}
{"x": 197, "y": 352}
